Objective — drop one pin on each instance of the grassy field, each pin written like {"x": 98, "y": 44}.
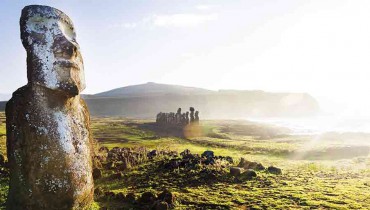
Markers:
{"x": 330, "y": 171}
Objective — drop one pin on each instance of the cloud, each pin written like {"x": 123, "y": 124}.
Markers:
{"x": 205, "y": 7}
{"x": 173, "y": 20}
{"x": 182, "y": 20}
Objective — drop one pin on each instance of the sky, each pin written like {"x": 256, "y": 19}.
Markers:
{"x": 320, "y": 47}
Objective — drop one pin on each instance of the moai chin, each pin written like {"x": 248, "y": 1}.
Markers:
{"x": 48, "y": 138}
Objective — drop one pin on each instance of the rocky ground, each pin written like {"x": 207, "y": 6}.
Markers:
{"x": 221, "y": 165}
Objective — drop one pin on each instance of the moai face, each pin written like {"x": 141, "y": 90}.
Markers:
{"x": 53, "y": 56}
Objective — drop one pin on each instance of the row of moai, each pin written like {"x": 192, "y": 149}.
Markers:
{"x": 178, "y": 118}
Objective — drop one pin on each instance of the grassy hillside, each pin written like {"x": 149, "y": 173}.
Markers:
{"x": 311, "y": 179}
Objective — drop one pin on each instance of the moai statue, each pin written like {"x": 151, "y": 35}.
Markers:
{"x": 167, "y": 118}
{"x": 178, "y": 116}
{"x": 196, "y": 120}
{"x": 163, "y": 118}
{"x": 49, "y": 142}
{"x": 183, "y": 119}
{"x": 192, "y": 114}
{"x": 172, "y": 116}
{"x": 158, "y": 118}
{"x": 187, "y": 117}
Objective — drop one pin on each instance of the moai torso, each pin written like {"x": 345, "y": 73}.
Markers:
{"x": 196, "y": 117}
{"x": 178, "y": 116}
{"x": 187, "y": 117}
{"x": 48, "y": 138}
{"x": 191, "y": 114}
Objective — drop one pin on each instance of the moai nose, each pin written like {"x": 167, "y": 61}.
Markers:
{"x": 70, "y": 48}
{"x": 65, "y": 48}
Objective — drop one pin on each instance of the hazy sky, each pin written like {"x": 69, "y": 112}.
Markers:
{"x": 321, "y": 47}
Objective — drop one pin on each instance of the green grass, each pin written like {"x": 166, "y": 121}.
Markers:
{"x": 306, "y": 183}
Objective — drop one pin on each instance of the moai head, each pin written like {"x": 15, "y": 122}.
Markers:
{"x": 179, "y": 110}
{"x": 196, "y": 113}
{"x": 53, "y": 56}
{"x": 192, "y": 109}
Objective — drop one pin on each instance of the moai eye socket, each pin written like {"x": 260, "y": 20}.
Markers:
{"x": 67, "y": 31}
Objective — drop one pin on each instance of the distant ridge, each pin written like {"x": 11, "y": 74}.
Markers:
{"x": 146, "y": 100}
{"x": 152, "y": 89}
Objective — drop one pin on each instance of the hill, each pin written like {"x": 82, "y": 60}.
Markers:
{"x": 152, "y": 89}
{"x": 146, "y": 100}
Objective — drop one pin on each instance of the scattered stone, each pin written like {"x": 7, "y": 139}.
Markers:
{"x": 109, "y": 195}
{"x": 110, "y": 165}
{"x": 147, "y": 197}
{"x": 229, "y": 159}
{"x": 235, "y": 171}
{"x": 208, "y": 154}
{"x": 152, "y": 154}
{"x": 120, "y": 196}
{"x": 97, "y": 174}
{"x": 131, "y": 198}
{"x": 162, "y": 205}
{"x": 104, "y": 149}
{"x": 116, "y": 176}
{"x": 249, "y": 173}
{"x": 98, "y": 191}
{"x": 185, "y": 153}
{"x": 250, "y": 165}
{"x": 274, "y": 170}
{"x": 167, "y": 196}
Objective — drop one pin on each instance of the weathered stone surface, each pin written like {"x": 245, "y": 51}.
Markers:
{"x": 235, "y": 171}
{"x": 274, "y": 170}
{"x": 167, "y": 196}
{"x": 97, "y": 174}
{"x": 250, "y": 165}
{"x": 249, "y": 173}
{"x": 48, "y": 136}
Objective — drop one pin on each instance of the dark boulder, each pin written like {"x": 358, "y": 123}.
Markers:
{"x": 104, "y": 149}
{"x": 208, "y": 154}
{"x": 147, "y": 198}
{"x": 97, "y": 174}
{"x": 131, "y": 198}
{"x": 161, "y": 205}
{"x": 152, "y": 154}
{"x": 249, "y": 173}
{"x": 250, "y": 165}
{"x": 120, "y": 196}
{"x": 235, "y": 171}
{"x": 185, "y": 153}
{"x": 116, "y": 176}
{"x": 274, "y": 170}
{"x": 98, "y": 191}
{"x": 167, "y": 196}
